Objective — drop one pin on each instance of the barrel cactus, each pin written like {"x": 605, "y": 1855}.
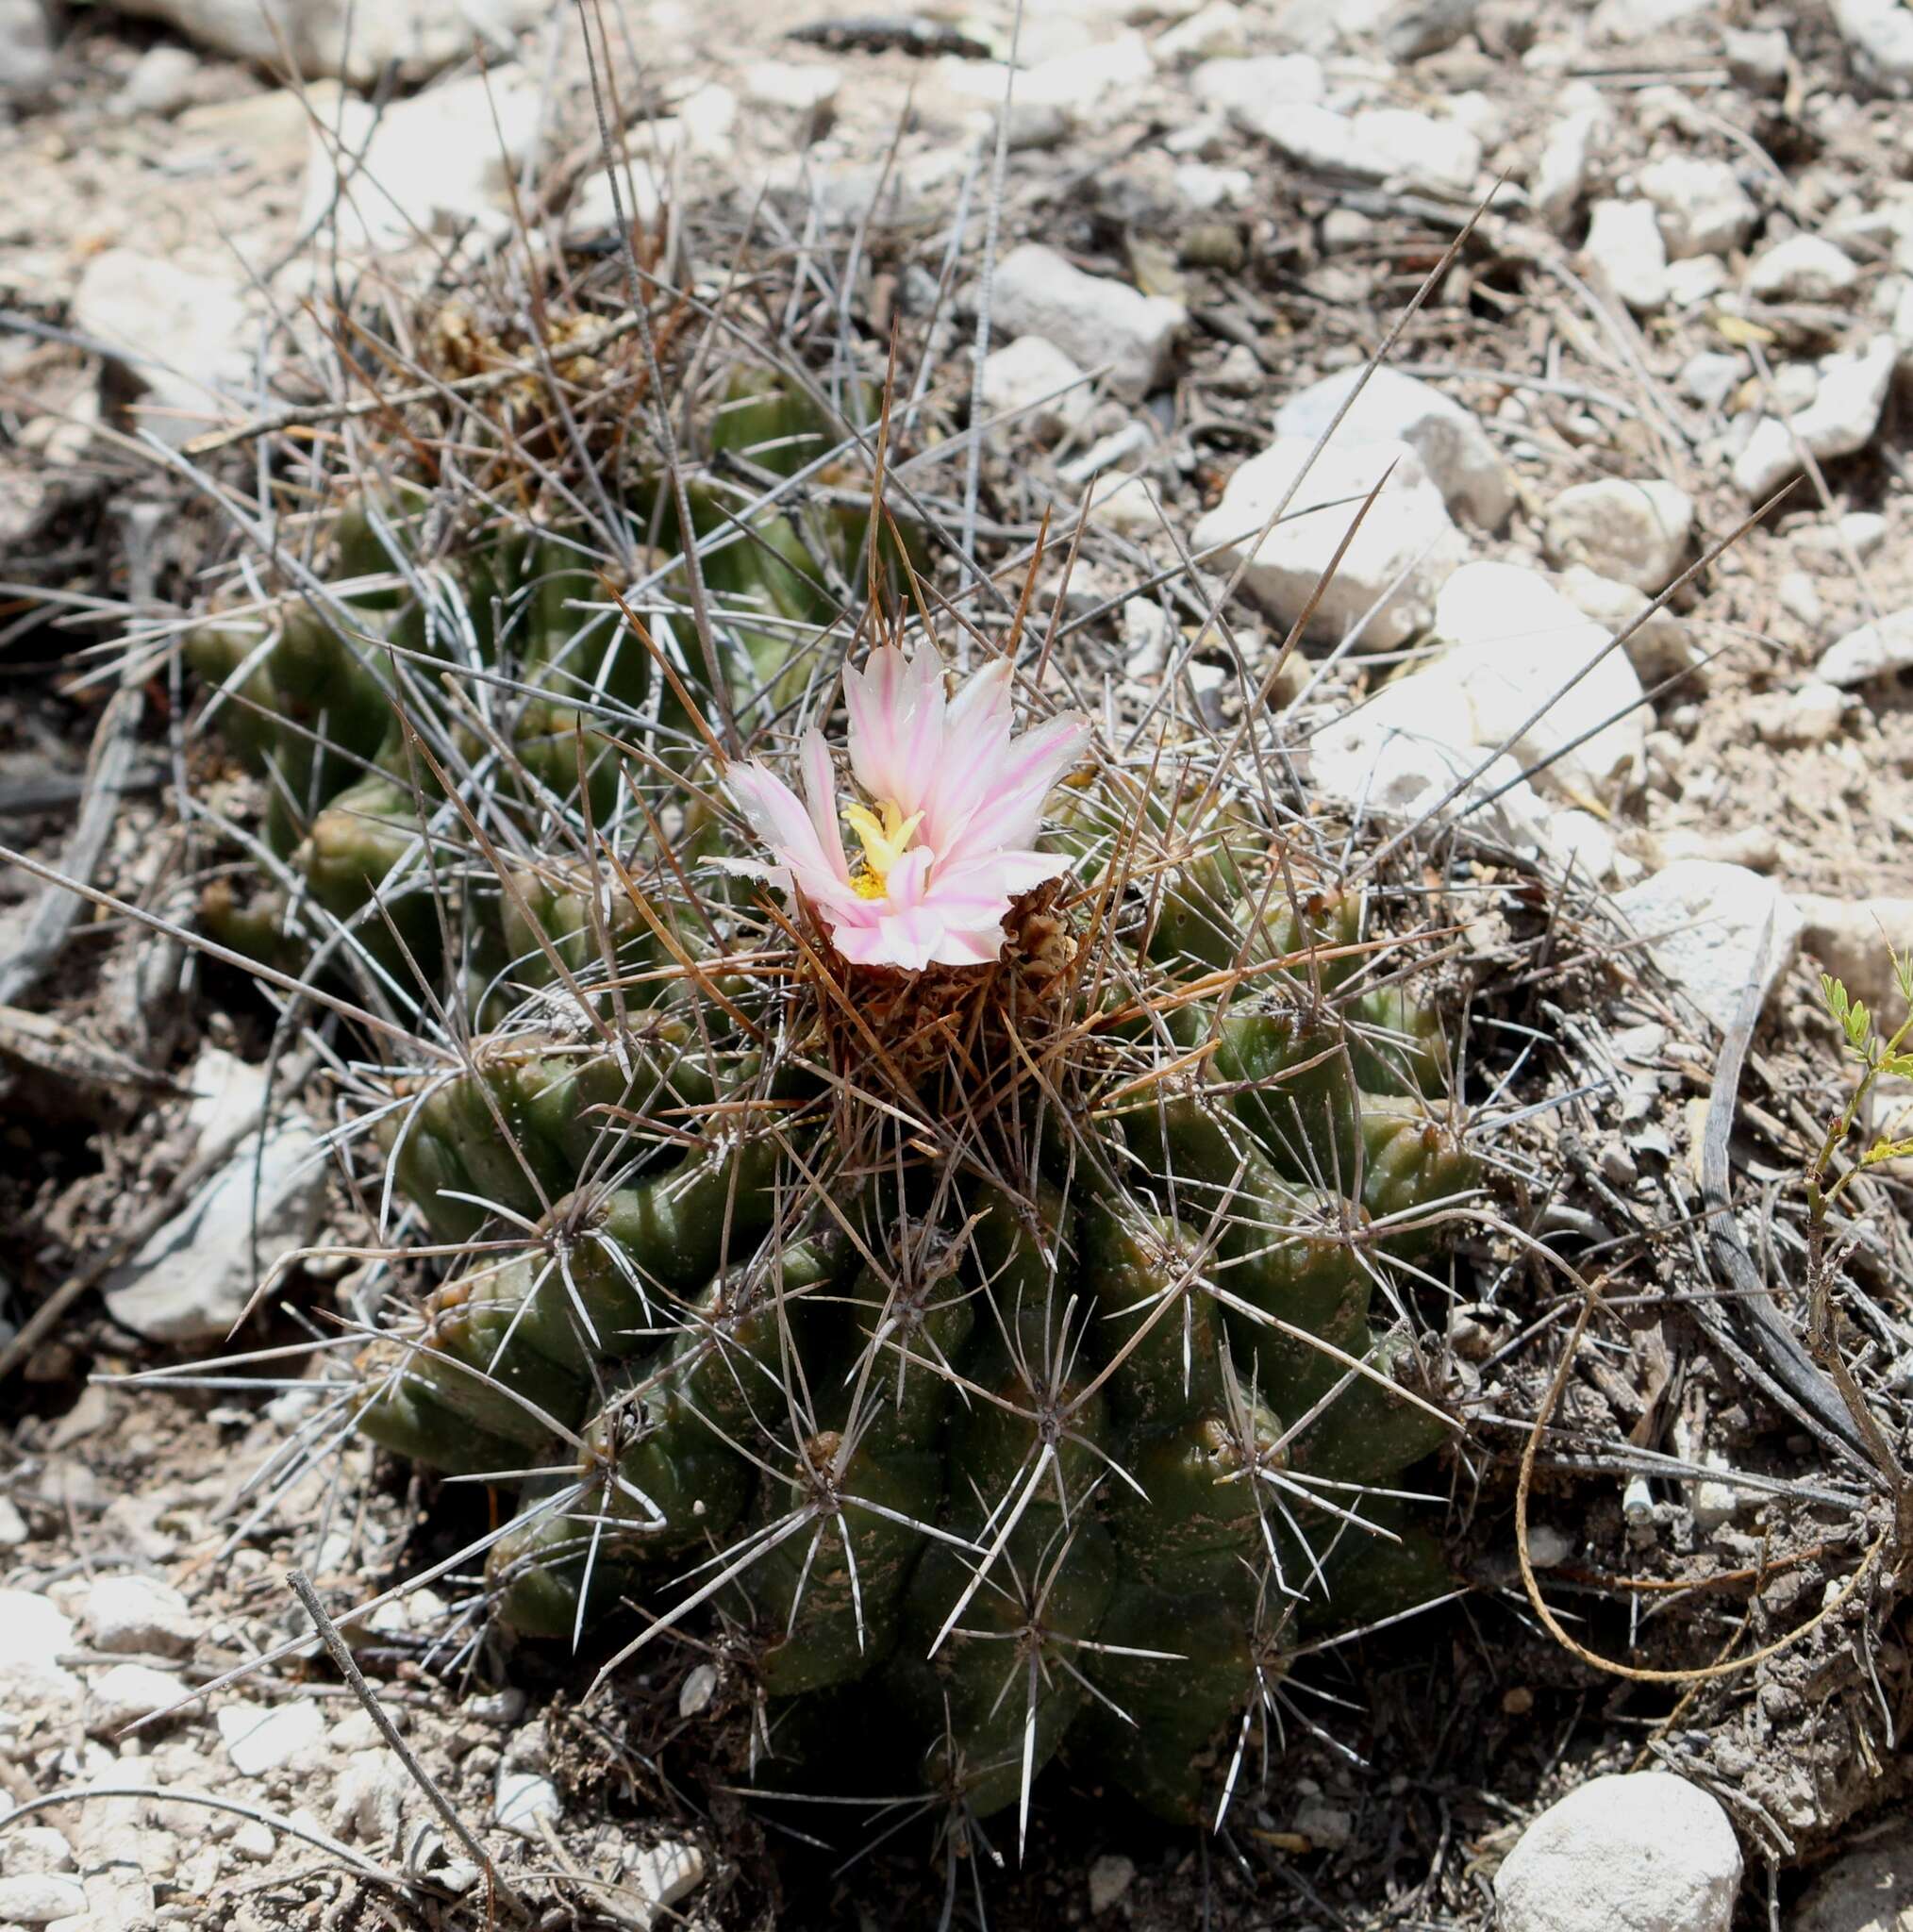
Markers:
{"x": 888, "y": 1173}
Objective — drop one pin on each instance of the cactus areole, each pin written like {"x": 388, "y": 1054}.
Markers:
{"x": 928, "y": 1199}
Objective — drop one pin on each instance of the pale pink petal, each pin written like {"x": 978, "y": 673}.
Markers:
{"x": 1009, "y": 813}
{"x": 908, "y": 939}
{"x": 910, "y": 879}
{"x": 896, "y": 725}
{"x": 921, "y": 738}
{"x": 870, "y": 698}
{"x": 984, "y": 701}
{"x": 1001, "y": 876}
{"x": 776, "y": 813}
{"x": 963, "y": 947}
{"x": 975, "y": 740}
{"x": 780, "y": 820}
{"x": 820, "y": 795}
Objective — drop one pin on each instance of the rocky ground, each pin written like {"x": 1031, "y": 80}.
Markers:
{"x": 1687, "y": 304}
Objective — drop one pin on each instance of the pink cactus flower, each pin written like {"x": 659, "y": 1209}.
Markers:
{"x": 946, "y": 824}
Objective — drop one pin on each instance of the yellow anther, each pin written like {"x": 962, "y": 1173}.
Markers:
{"x": 884, "y": 840}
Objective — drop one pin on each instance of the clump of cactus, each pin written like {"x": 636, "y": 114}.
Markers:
{"x": 963, "y": 1261}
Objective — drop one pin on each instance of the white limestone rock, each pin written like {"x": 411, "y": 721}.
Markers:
{"x": 133, "y": 1615}
{"x": 1517, "y": 642}
{"x": 1415, "y": 151}
{"x": 1317, "y": 138}
{"x": 1252, "y": 93}
{"x": 1202, "y": 189}
{"x": 642, "y": 190}
{"x": 1413, "y": 29}
{"x": 1216, "y": 32}
{"x": 708, "y": 117}
{"x": 44, "y": 1898}
{"x": 1658, "y": 649}
{"x": 1643, "y": 1852}
{"x": 1625, "y": 252}
{"x": 800, "y": 88}
{"x": 1697, "y": 279}
{"x": 182, "y": 336}
{"x": 163, "y": 81}
{"x": 1813, "y": 714}
{"x": 1703, "y": 921}
{"x": 1623, "y": 21}
{"x": 524, "y": 1800}
{"x": 1636, "y": 533}
{"x": 369, "y": 1801}
{"x": 1702, "y": 206}
{"x": 125, "y": 1694}
{"x": 192, "y": 1280}
{"x": 1406, "y": 755}
{"x": 34, "y": 1636}
{"x": 1757, "y": 58}
{"x": 658, "y": 1877}
{"x": 1802, "y": 268}
{"x": 260, "y": 1739}
{"x": 1874, "y": 650}
{"x": 1094, "y": 320}
{"x": 1321, "y": 27}
{"x": 1879, "y": 38}
{"x": 1454, "y": 450}
{"x": 1712, "y": 375}
{"x": 26, "y": 57}
{"x": 1850, "y": 391}
{"x": 1070, "y": 86}
{"x": 1407, "y": 536}
{"x": 352, "y": 42}
{"x": 1033, "y": 381}
{"x": 1559, "y": 179}
{"x": 1854, "y": 940}
{"x": 439, "y": 165}
{"x": 1278, "y": 99}
{"x": 33, "y": 1848}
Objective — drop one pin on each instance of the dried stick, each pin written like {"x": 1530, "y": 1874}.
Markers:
{"x": 342, "y": 1655}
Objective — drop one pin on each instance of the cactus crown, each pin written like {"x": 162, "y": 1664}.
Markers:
{"x": 1017, "y": 1343}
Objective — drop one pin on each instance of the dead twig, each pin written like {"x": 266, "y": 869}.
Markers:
{"x": 342, "y": 1655}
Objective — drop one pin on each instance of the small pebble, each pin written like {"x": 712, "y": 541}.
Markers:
{"x": 1624, "y": 248}
{"x": 524, "y": 1799}
{"x": 1327, "y": 1827}
{"x": 34, "y": 1849}
{"x": 38, "y": 1898}
{"x": 1797, "y": 595}
{"x": 261, "y": 1740}
{"x": 127, "y": 1693}
{"x": 1110, "y": 1877}
{"x": 694, "y": 1695}
{"x": 1803, "y": 267}
{"x": 139, "y": 1615}
{"x": 1647, "y": 1851}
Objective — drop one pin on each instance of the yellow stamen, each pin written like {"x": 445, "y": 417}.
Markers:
{"x": 884, "y": 840}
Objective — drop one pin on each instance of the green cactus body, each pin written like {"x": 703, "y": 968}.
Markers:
{"x": 998, "y": 1348}
{"x": 826, "y": 1597}
{"x": 1179, "y": 1671}
{"x": 1413, "y": 1158}
{"x": 996, "y": 1698}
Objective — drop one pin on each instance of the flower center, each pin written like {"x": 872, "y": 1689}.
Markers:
{"x": 886, "y": 835}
